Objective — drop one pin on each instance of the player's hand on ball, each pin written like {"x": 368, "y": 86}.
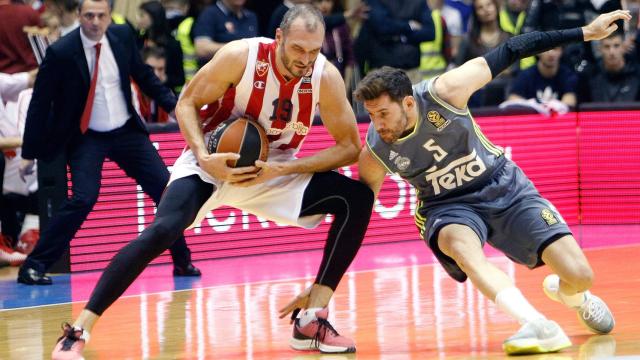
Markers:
{"x": 216, "y": 165}
{"x": 299, "y": 302}
{"x": 265, "y": 171}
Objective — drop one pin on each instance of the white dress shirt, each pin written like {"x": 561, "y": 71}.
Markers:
{"x": 109, "y": 106}
{"x": 10, "y": 88}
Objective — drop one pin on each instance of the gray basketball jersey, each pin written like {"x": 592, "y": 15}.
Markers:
{"x": 445, "y": 154}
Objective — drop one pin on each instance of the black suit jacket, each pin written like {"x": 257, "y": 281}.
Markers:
{"x": 62, "y": 87}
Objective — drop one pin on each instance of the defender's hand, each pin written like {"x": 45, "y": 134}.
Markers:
{"x": 604, "y": 25}
{"x": 299, "y": 302}
{"x": 216, "y": 166}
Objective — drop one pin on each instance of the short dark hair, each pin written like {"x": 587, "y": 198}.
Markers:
{"x": 385, "y": 80}
{"x": 153, "y": 51}
{"x": 109, "y": 2}
{"x": 311, "y": 15}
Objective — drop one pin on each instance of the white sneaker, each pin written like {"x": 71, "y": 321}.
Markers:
{"x": 537, "y": 337}
{"x": 593, "y": 313}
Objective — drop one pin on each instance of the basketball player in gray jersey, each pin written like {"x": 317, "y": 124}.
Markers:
{"x": 469, "y": 193}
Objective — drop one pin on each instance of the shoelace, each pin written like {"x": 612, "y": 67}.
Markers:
{"x": 323, "y": 327}
{"x": 595, "y": 311}
{"x": 70, "y": 336}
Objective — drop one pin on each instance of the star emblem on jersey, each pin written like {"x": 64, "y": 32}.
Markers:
{"x": 549, "y": 217}
{"x": 437, "y": 120}
{"x": 261, "y": 68}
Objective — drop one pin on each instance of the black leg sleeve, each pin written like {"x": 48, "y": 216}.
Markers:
{"x": 350, "y": 202}
{"x": 177, "y": 210}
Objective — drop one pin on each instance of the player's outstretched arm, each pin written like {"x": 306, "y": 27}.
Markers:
{"x": 207, "y": 86}
{"x": 370, "y": 171}
{"x": 457, "y": 85}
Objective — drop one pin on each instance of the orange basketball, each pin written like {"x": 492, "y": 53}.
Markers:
{"x": 241, "y": 136}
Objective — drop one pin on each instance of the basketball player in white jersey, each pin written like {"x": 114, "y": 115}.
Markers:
{"x": 279, "y": 84}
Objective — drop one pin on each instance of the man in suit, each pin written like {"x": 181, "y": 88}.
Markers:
{"x": 81, "y": 106}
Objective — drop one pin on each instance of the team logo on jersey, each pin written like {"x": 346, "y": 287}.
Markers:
{"x": 437, "y": 120}
{"x": 549, "y": 217}
{"x": 261, "y": 68}
{"x": 402, "y": 163}
{"x": 457, "y": 173}
{"x": 259, "y": 84}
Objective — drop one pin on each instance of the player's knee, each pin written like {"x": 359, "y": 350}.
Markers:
{"x": 363, "y": 196}
{"x": 164, "y": 233}
{"x": 462, "y": 250}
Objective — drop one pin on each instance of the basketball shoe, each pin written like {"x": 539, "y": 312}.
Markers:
{"x": 593, "y": 313}
{"x": 320, "y": 335}
{"x": 8, "y": 255}
{"x": 70, "y": 344}
{"x": 28, "y": 241}
{"x": 537, "y": 337}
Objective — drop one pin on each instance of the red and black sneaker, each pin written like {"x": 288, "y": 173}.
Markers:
{"x": 70, "y": 344}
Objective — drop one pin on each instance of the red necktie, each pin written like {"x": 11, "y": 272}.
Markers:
{"x": 88, "y": 106}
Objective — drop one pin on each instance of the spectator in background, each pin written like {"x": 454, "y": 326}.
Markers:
{"x": 548, "y": 82}
{"x": 512, "y": 17}
{"x": 180, "y": 24}
{"x": 455, "y": 26}
{"x": 149, "y": 109}
{"x": 67, "y": 12}
{"x": 278, "y": 14}
{"x": 10, "y": 141}
{"x": 435, "y": 55}
{"x": 15, "y": 52}
{"x": 484, "y": 35}
{"x": 220, "y": 23}
{"x": 485, "y": 32}
{"x": 613, "y": 78}
{"x": 153, "y": 32}
{"x": 543, "y": 15}
{"x": 89, "y": 124}
{"x": 392, "y": 35}
{"x": 337, "y": 46}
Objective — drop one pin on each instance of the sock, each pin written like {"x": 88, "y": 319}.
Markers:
{"x": 31, "y": 221}
{"x": 575, "y": 300}
{"x": 308, "y": 316}
{"x": 512, "y": 302}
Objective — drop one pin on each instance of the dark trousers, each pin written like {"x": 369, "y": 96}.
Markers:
{"x": 132, "y": 150}
{"x": 348, "y": 200}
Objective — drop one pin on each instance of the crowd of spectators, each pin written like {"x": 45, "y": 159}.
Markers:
{"x": 423, "y": 37}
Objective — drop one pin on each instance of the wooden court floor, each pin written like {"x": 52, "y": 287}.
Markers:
{"x": 407, "y": 312}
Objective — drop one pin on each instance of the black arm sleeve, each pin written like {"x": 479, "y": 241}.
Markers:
{"x": 529, "y": 44}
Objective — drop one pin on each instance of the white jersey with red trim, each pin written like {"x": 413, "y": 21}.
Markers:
{"x": 285, "y": 109}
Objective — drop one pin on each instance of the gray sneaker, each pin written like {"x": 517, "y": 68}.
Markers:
{"x": 595, "y": 315}
{"x": 537, "y": 337}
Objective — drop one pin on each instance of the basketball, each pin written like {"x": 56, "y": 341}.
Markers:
{"x": 241, "y": 136}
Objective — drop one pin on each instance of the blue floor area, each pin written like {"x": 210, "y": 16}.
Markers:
{"x": 14, "y": 295}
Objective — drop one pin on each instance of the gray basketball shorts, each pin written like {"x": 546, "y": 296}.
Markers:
{"x": 508, "y": 212}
